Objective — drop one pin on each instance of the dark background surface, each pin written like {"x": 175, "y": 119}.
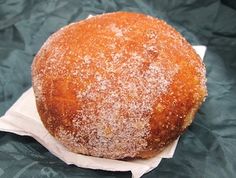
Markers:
{"x": 206, "y": 150}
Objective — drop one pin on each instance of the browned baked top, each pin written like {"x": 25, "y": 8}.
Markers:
{"x": 117, "y": 85}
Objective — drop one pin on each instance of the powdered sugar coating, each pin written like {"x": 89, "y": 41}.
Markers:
{"x": 104, "y": 86}
{"x": 120, "y": 120}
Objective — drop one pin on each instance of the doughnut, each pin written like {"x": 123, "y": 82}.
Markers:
{"x": 119, "y": 85}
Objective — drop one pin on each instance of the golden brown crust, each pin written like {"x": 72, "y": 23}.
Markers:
{"x": 118, "y": 85}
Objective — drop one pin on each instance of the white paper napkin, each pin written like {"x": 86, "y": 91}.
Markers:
{"x": 23, "y": 119}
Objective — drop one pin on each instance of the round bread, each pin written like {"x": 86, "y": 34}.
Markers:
{"x": 118, "y": 85}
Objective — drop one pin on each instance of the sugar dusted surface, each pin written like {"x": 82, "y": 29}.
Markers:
{"x": 103, "y": 88}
